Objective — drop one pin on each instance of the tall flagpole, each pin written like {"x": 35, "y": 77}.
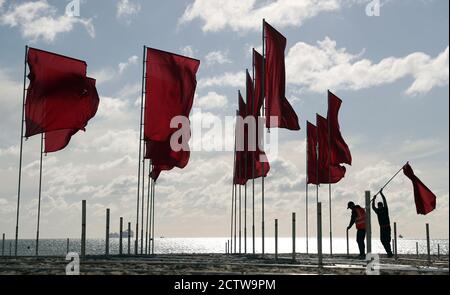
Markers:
{"x": 148, "y": 206}
{"x": 306, "y": 199}
{"x": 240, "y": 188}
{"x": 141, "y": 125}
{"x": 153, "y": 217}
{"x": 255, "y": 153}
{"x": 245, "y": 172}
{"x": 143, "y": 201}
{"x": 150, "y": 240}
{"x": 40, "y": 194}
{"x": 233, "y": 213}
{"x": 329, "y": 185}
{"x": 21, "y": 150}
{"x": 235, "y": 219}
{"x": 263, "y": 78}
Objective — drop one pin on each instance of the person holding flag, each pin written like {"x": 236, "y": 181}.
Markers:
{"x": 382, "y": 212}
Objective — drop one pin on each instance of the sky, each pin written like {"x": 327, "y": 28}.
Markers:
{"x": 391, "y": 70}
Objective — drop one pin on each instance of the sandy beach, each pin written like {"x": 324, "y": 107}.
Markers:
{"x": 219, "y": 264}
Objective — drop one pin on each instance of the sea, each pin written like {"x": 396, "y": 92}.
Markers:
{"x": 58, "y": 247}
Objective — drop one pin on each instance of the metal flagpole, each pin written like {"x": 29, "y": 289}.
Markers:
{"x": 329, "y": 186}
{"x": 21, "y": 150}
{"x": 240, "y": 186}
{"x": 246, "y": 178}
{"x": 240, "y": 220}
{"x": 141, "y": 125}
{"x": 306, "y": 199}
{"x": 253, "y": 158}
{"x": 40, "y": 194}
{"x": 150, "y": 240}
{"x": 232, "y": 201}
{"x": 263, "y": 97}
{"x": 235, "y": 218}
{"x": 148, "y": 206}
{"x": 143, "y": 201}
{"x": 233, "y": 213}
{"x": 153, "y": 217}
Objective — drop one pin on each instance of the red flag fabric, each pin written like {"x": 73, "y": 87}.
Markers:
{"x": 157, "y": 169}
{"x": 59, "y": 96}
{"x": 275, "y": 82}
{"x": 162, "y": 154}
{"x": 258, "y": 62}
{"x": 170, "y": 87}
{"x": 311, "y": 135}
{"x": 58, "y": 140}
{"x": 424, "y": 198}
{"x": 327, "y": 173}
{"x": 339, "y": 151}
{"x": 241, "y": 155}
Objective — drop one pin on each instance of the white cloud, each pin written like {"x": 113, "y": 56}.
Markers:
{"x": 324, "y": 66}
{"x": 188, "y": 51}
{"x": 131, "y": 61}
{"x": 243, "y": 15}
{"x": 109, "y": 74}
{"x": 226, "y": 80}
{"x": 212, "y": 100}
{"x": 39, "y": 20}
{"x": 127, "y": 8}
{"x": 217, "y": 57}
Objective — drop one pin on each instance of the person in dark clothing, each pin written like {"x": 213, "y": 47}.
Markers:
{"x": 358, "y": 218}
{"x": 382, "y": 212}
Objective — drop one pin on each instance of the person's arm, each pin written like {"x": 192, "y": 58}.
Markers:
{"x": 373, "y": 205}
{"x": 384, "y": 200}
{"x": 352, "y": 220}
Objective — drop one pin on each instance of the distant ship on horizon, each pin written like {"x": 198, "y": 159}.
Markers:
{"x": 124, "y": 235}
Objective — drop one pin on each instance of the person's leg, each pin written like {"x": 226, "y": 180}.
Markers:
{"x": 386, "y": 239}
{"x": 360, "y": 237}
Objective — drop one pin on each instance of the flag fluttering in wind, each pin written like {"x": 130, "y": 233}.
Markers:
{"x": 311, "y": 135}
{"x": 241, "y": 162}
{"x": 339, "y": 151}
{"x": 424, "y": 198}
{"x": 60, "y": 99}
{"x": 275, "y": 82}
{"x": 169, "y": 92}
{"x": 258, "y": 62}
{"x": 328, "y": 173}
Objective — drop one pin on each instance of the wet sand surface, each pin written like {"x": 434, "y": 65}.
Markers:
{"x": 220, "y": 264}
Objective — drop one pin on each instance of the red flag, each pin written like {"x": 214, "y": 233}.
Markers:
{"x": 423, "y": 196}
{"x": 162, "y": 154}
{"x": 157, "y": 169}
{"x": 58, "y": 140}
{"x": 311, "y": 131}
{"x": 59, "y": 96}
{"x": 170, "y": 88}
{"x": 241, "y": 155}
{"x": 258, "y": 62}
{"x": 327, "y": 173}
{"x": 339, "y": 151}
{"x": 275, "y": 82}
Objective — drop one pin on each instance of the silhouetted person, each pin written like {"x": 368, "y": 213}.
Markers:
{"x": 358, "y": 218}
{"x": 382, "y": 212}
